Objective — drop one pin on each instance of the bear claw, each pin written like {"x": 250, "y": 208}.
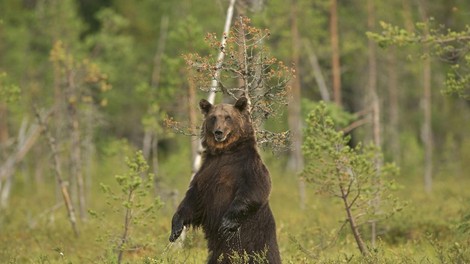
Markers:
{"x": 175, "y": 234}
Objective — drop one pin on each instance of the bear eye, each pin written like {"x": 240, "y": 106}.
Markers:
{"x": 228, "y": 118}
{"x": 213, "y": 118}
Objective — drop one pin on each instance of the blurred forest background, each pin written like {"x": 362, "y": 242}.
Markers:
{"x": 86, "y": 83}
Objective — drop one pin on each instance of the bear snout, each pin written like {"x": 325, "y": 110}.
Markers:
{"x": 219, "y": 135}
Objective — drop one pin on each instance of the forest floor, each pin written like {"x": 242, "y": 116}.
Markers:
{"x": 432, "y": 228}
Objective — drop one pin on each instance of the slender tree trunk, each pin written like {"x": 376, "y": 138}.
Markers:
{"x": 352, "y": 223}
{"x": 88, "y": 147}
{"x": 58, "y": 174}
{"x": 4, "y": 186}
{"x": 192, "y": 113}
{"x": 8, "y": 168}
{"x": 59, "y": 116}
{"x": 147, "y": 143}
{"x": 211, "y": 97}
{"x": 240, "y": 9}
{"x": 374, "y": 101}
{"x": 407, "y": 16}
{"x": 378, "y": 165}
{"x": 324, "y": 93}
{"x": 155, "y": 164}
{"x": 372, "y": 82}
{"x": 75, "y": 154}
{"x": 427, "y": 136}
{"x": 294, "y": 114}
{"x": 150, "y": 143}
{"x": 244, "y": 80}
{"x": 15, "y": 158}
{"x": 157, "y": 61}
{"x": 393, "y": 105}
{"x": 335, "y": 58}
{"x": 40, "y": 166}
{"x": 59, "y": 103}
{"x": 427, "y": 130}
{"x": 127, "y": 223}
{"x": 5, "y": 189}
{"x": 3, "y": 126}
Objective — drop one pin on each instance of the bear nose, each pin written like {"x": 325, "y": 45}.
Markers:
{"x": 218, "y": 133}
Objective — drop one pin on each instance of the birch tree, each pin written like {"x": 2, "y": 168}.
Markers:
{"x": 214, "y": 82}
{"x": 426, "y": 135}
{"x": 296, "y": 161}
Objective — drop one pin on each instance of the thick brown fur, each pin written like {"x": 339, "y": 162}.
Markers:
{"x": 228, "y": 196}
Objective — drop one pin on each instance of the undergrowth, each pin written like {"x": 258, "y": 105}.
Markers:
{"x": 431, "y": 229}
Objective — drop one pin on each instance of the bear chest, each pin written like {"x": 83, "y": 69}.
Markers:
{"x": 218, "y": 182}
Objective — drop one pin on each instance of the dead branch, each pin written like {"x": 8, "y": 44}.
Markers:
{"x": 26, "y": 141}
{"x": 356, "y": 124}
{"x": 22, "y": 149}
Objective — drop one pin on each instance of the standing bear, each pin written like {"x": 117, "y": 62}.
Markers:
{"x": 228, "y": 196}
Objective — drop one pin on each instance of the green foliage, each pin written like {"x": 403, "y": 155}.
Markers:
{"x": 393, "y": 35}
{"x": 340, "y": 117}
{"x": 242, "y": 258}
{"x": 458, "y": 82}
{"x": 8, "y": 92}
{"x": 447, "y": 254}
{"x": 463, "y": 225}
{"x": 403, "y": 237}
{"x": 333, "y": 163}
{"x": 187, "y": 34}
{"x": 151, "y": 120}
{"x": 247, "y": 70}
{"x": 111, "y": 44}
{"x": 353, "y": 174}
{"x": 113, "y": 49}
{"x": 92, "y": 83}
{"x": 450, "y": 46}
{"x": 134, "y": 201}
{"x": 116, "y": 41}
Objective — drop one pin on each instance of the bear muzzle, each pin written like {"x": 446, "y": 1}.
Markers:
{"x": 220, "y": 136}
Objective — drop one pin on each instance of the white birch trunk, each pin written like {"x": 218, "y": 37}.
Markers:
{"x": 214, "y": 83}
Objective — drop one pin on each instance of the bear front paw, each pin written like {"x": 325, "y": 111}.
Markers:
{"x": 228, "y": 228}
{"x": 176, "y": 228}
{"x": 175, "y": 234}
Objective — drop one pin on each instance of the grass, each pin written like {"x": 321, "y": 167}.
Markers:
{"x": 426, "y": 231}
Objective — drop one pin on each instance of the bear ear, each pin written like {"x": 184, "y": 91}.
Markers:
{"x": 205, "y": 106}
{"x": 241, "y": 104}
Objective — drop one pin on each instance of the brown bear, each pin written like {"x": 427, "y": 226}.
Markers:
{"x": 228, "y": 196}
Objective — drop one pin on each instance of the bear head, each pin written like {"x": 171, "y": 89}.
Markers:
{"x": 225, "y": 125}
